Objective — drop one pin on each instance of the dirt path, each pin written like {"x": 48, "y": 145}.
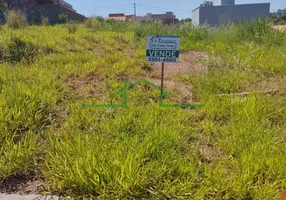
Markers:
{"x": 189, "y": 62}
{"x": 279, "y": 27}
{"x": 28, "y": 197}
{"x": 93, "y": 84}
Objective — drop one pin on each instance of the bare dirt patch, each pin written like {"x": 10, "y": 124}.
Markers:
{"x": 84, "y": 87}
{"x": 22, "y": 185}
{"x": 102, "y": 52}
{"x": 180, "y": 93}
{"x": 279, "y": 27}
{"x": 191, "y": 61}
{"x": 92, "y": 85}
{"x": 269, "y": 84}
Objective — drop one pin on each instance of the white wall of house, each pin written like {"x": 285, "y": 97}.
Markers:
{"x": 196, "y": 17}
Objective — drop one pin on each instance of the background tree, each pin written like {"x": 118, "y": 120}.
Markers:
{"x": 3, "y": 5}
{"x": 279, "y": 17}
{"x": 186, "y": 20}
{"x": 16, "y": 19}
{"x": 206, "y": 4}
{"x": 63, "y": 18}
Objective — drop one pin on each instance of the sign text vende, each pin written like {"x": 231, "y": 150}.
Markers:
{"x": 163, "y": 53}
{"x": 163, "y": 49}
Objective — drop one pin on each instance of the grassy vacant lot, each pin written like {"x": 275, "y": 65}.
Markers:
{"x": 233, "y": 148}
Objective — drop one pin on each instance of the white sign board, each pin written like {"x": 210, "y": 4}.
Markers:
{"x": 163, "y": 49}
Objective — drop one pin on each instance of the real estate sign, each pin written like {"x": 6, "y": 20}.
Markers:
{"x": 163, "y": 49}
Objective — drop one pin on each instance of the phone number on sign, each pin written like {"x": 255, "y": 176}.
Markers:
{"x": 150, "y": 59}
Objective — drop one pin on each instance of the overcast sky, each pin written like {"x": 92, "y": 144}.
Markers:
{"x": 181, "y": 8}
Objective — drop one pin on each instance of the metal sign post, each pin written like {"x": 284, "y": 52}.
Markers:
{"x": 159, "y": 49}
{"x": 162, "y": 80}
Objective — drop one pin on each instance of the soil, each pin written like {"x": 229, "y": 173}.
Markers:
{"x": 89, "y": 86}
{"x": 279, "y": 27}
{"x": 83, "y": 87}
{"x": 180, "y": 93}
{"x": 269, "y": 84}
{"x": 189, "y": 62}
{"x": 22, "y": 185}
{"x": 192, "y": 61}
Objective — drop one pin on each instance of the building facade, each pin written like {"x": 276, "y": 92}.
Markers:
{"x": 117, "y": 16}
{"x": 226, "y": 12}
{"x": 224, "y": 2}
{"x": 36, "y": 10}
{"x": 167, "y": 18}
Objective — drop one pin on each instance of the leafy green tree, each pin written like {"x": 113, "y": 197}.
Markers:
{"x": 279, "y": 17}
{"x": 100, "y": 20}
{"x": 16, "y": 19}
{"x": 63, "y": 18}
{"x": 206, "y": 4}
{"x": 3, "y": 5}
{"x": 186, "y": 20}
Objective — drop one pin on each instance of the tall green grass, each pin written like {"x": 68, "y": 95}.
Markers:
{"x": 124, "y": 155}
{"x": 233, "y": 148}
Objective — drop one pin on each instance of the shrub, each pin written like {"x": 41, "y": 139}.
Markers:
{"x": 282, "y": 22}
{"x": 63, "y": 18}
{"x": 45, "y": 21}
{"x": 95, "y": 22}
{"x": 19, "y": 50}
{"x": 72, "y": 28}
{"x": 186, "y": 27}
{"x": 17, "y": 158}
{"x": 88, "y": 22}
{"x": 200, "y": 33}
{"x": 16, "y": 19}
{"x": 254, "y": 31}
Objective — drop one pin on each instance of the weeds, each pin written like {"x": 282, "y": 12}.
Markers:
{"x": 127, "y": 164}
{"x": 233, "y": 148}
{"x": 18, "y": 158}
{"x": 63, "y": 18}
{"x": 16, "y": 19}
{"x": 45, "y": 21}
{"x": 72, "y": 28}
{"x": 19, "y": 50}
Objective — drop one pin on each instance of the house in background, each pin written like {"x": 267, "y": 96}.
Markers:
{"x": 144, "y": 18}
{"x": 167, "y": 18}
{"x": 36, "y": 10}
{"x": 117, "y": 16}
{"x": 226, "y": 11}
